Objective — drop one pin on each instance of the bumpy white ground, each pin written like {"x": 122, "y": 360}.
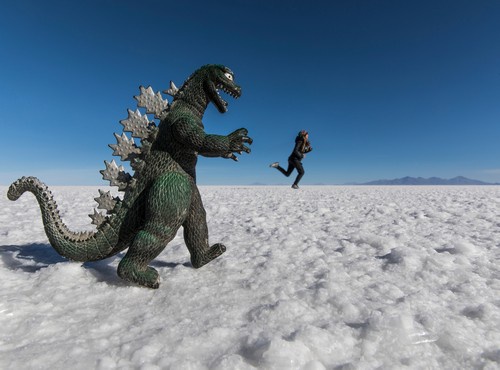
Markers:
{"x": 319, "y": 278}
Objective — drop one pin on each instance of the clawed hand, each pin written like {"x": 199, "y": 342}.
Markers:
{"x": 236, "y": 143}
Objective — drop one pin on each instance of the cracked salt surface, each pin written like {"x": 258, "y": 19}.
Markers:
{"x": 320, "y": 278}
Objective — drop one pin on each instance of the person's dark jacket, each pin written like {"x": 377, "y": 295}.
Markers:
{"x": 300, "y": 148}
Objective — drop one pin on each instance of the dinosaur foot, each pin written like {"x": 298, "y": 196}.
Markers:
{"x": 202, "y": 259}
{"x": 148, "y": 278}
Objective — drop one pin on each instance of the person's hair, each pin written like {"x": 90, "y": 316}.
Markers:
{"x": 305, "y": 142}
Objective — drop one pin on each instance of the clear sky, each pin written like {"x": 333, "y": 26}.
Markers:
{"x": 386, "y": 89}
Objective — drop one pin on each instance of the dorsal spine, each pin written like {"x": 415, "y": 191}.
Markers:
{"x": 140, "y": 127}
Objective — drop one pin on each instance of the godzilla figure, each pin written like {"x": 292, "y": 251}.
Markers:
{"x": 162, "y": 194}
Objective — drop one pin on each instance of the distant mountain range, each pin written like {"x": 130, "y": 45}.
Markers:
{"x": 459, "y": 180}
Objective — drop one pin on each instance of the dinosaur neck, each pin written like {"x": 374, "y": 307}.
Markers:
{"x": 184, "y": 103}
{"x": 194, "y": 97}
{"x": 196, "y": 106}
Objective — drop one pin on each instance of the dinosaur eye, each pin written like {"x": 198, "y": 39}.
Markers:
{"x": 229, "y": 76}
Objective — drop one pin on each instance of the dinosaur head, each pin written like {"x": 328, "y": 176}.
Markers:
{"x": 220, "y": 78}
{"x": 211, "y": 78}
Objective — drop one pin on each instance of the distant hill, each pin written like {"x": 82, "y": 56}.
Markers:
{"x": 459, "y": 180}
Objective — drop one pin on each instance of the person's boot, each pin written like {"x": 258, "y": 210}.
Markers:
{"x": 295, "y": 186}
{"x": 274, "y": 165}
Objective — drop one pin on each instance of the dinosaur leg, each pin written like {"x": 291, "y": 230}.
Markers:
{"x": 167, "y": 204}
{"x": 196, "y": 234}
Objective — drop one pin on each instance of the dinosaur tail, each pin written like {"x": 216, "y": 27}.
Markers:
{"x": 83, "y": 246}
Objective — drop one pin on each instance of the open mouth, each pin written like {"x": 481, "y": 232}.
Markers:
{"x": 234, "y": 94}
{"x": 221, "y": 103}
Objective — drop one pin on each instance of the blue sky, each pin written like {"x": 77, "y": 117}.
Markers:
{"x": 386, "y": 88}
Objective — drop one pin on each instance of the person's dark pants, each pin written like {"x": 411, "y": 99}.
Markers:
{"x": 292, "y": 164}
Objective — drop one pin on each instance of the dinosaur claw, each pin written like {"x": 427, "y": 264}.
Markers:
{"x": 231, "y": 156}
{"x": 247, "y": 139}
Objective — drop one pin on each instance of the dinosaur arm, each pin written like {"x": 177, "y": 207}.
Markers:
{"x": 209, "y": 155}
{"x": 193, "y": 136}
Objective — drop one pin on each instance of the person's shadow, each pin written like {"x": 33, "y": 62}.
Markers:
{"x": 34, "y": 257}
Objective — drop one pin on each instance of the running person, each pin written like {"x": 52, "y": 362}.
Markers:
{"x": 302, "y": 146}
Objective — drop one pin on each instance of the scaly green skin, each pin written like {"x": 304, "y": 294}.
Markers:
{"x": 165, "y": 196}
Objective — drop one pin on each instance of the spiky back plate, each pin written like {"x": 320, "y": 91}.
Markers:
{"x": 139, "y": 126}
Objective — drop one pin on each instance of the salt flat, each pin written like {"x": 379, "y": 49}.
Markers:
{"x": 326, "y": 277}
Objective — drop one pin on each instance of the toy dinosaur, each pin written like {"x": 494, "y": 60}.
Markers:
{"x": 162, "y": 194}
